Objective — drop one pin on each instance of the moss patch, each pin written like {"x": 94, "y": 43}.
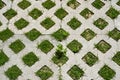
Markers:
{"x": 60, "y": 34}
{"x": 47, "y": 23}
{"x": 9, "y": 14}
{"x": 44, "y": 73}
{"x": 35, "y": 13}
{"x": 114, "y": 34}
{"x": 17, "y": 46}
{"x": 103, "y": 46}
{"x": 30, "y": 59}
{"x": 75, "y": 72}
{"x": 90, "y": 59}
{"x": 88, "y": 34}
{"x": 74, "y": 23}
{"x": 116, "y": 58}
{"x": 106, "y": 72}
{"x": 33, "y": 34}
{"x": 86, "y": 13}
{"x": 45, "y": 46}
{"x": 100, "y": 23}
{"x": 3, "y": 58}
{"x": 73, "y": 4}
{"x": 6, "y": 34}
{"x": 13, "y": 72}
{"x": 98, "y": 4}
{"x": 112, "y": 13}
{"x": 48, "y": 4}
{"x": 61, "y": 13}
{"x": 21, "y": 23}
{"x": 24, "y": 4}
{"x": 74, "y": 46}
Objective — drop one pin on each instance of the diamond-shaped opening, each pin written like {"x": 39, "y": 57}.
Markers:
{"x": 6, "y": 34}
{"x": 112, "y": 13}
{"x": 60, "y": 34}
{"x": 73, "y": 4}
{"x": 74, "y": 23}
{"x": 75, "y": 72}
{"x": 116, "y": 58}
{"x": 47, "y": 23}
{"x": 2, "y": 4}
{"x": 98, "y": 4}
{"x": 45, "y": 46}
{"x": 13, "y": 72}
{"x": 48, "y": 4}
{"x": 3, "y": 58}
{"x": 24, "y": 4}
{"x": 90, "y": 59}
{"x": 17, "y": 46}
{"x": 0, "y": 23}
{"x": 30, "y": 59}
{"x": 118, "y": 3}
{"x": 88, "y": 34}
{"x": 44, "y": 73}
{"x": 61, "y": 13}
{"x": 106, "y": 72}
{"x": 60, "y": 61}
{"x": 21, "y": 23}
{"x": 35, "y": 13}
{"x": 33, "y": 34}
{"x": 114, "y": 34}
{"x": 74, "y": 46}
{"x": 86, "y": 13}
{"x": 100, "y": 23}
{"x": 103, "y": 46}
{"x": 9, "y": 14}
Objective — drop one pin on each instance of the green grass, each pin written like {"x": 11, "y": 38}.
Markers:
{"x": 100, "y": 23}
{"x": 103, "y": 46}
{"x": 88, "y": 34}
{"x": 44, "y": 73}
{"x": 114, "y": 34}
{"x": 118, "y": 3}
{"x": 30, "y": 59}
{"x": 106, "y": 73}
{"x": 33, "y": 34}
{"x": 17, "y": 46}
{"x": 3, "y": 58}
{"x": 61, "y": 13}
{"x": 0, "y": 23}
{"x": 86, "y": 13}
{"x": 60, "y": 34}
{"x": 74, "y": 23}
{"x": 21, "y": 23}
{"x": 73, "y": 4}
{"x": 13, "y": 72}
{"x": 2, "y": 4}
{"x": 45, "y": 46}
{"x": 61, "y": 61}
{"x": 116, "y": 58}
{"x": 47, "y": 23}
{"x": 48, "y": 4}
{"x": 9, "y": 14}
{"x": 75, "y": 72}
{"x": 98, "y": 4}
{"x": 74, "y": 46}
{"x": 90, "y": 59}
{"x": 60, "y": 57}
{"x": 112, "y": 13}
{"x": 24, "y": 4}
{"x": 35, "y": 13}
{"x": 6, "y": 34}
